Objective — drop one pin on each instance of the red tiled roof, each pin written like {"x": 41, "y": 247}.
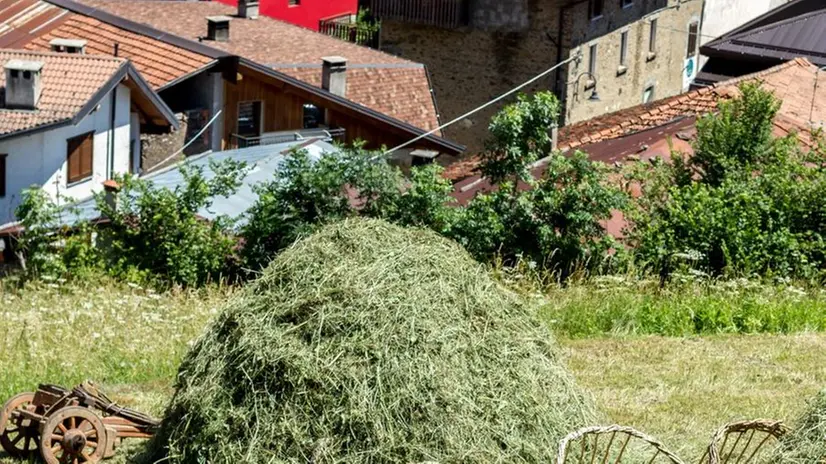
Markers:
{"x": 159, "y": 62}
{"x": 382, "y": 82}
{"x": 400, "y": 95}
{"x": 792, "y": 82}
{"x": 32, "y": 24}
{"x": 68, "y": 83}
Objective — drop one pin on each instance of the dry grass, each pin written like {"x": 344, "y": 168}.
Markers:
{"x": 682, "y": 389}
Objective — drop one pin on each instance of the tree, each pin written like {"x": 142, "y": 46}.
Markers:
{"x": 157, "y": 233}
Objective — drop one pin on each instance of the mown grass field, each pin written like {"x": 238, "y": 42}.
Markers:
{"x": 678, "y": 388}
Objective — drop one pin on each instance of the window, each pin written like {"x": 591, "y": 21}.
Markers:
{"x": 596, "y": 9}
{"x": 3, "y": 175}
{"x": 624, "y": 49}
{"x": 592, "y": 61}
{"x": 313, "y": 116}
{"x": 294, "y": 2}
{"x": 79, "y": 157}
{"x": 648, "y": 94}
{"x": 626, "y": 3}
{"x": 652, "y": 37}
{"x": 249, "y": 118}
{"x": 693, "y": 33}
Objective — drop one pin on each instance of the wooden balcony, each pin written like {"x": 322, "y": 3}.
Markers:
{"x": 368, "y": 35}
{"x": 440, "y": 13}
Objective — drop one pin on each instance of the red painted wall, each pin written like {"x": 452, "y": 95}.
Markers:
{"x": 308, "y": 13}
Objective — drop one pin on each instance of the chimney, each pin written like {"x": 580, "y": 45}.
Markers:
{"x": 110, "y": 197}
{"x": 334, "y": 75}
{"x": 23, "y": 84}
{"x": 218, "y": 28}
{"x": 68, "y": 46}
{"x": 248, "y": 9}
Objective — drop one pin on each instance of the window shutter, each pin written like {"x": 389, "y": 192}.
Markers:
{"x": 2, "y": 175}
{"x": 79, "y": 157}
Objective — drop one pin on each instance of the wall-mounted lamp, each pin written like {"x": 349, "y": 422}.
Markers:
{"x": 594, "y": 95}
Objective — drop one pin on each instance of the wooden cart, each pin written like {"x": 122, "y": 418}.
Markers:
{"x": 69, "y": 426}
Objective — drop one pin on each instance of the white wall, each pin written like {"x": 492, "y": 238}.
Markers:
{"x": 40, "y": 158}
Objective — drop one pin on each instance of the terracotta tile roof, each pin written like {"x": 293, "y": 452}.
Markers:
{"x": 382, "y": 82}
{"x": 395, "y": 91}
{"x": 32, "y": 24}
{"x": 159, "y": 62}
{"x": 68, "y": 83}
{"x": 793, "y": 82}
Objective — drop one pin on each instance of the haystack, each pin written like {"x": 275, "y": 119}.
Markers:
{"x": 807, "y": 442}
{"x": 370, "y": 343}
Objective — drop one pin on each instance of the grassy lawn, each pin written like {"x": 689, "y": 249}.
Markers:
{"x": 679, "y": 389}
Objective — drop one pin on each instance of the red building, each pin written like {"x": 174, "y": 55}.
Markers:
{"x": 305, "y": 13}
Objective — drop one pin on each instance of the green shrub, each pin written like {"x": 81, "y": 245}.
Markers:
{"x": 557, "y": 224}
{"x": 156, "y": 233}
{"x": 745, "y": 204}
{"x": 306, "y": 194}
{"x": 46, "y": 246}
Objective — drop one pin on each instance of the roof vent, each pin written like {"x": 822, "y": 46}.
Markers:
{"x": 218, "y": 28}
{"x": 248, "y": 9}
{"x": 23, "y": 84}
{"x": 334, "y": 75}
{"x": 68, "y": 46}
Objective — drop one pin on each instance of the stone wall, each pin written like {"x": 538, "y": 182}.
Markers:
{"x": 510, "y": 41}
{"x": 157, "y": 147}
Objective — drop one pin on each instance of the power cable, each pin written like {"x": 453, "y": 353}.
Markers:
{"x": 489, "y": 103}
{"x": 191, "y": 141}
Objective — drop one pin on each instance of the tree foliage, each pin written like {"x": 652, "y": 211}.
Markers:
{"x": 156, "y": 232}
{"x": 745, "y": 202}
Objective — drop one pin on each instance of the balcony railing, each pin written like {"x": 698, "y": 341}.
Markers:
{"x": 344, "y": 28}
{"x": 441, "y": 13}
{"x": 272, "y": 138}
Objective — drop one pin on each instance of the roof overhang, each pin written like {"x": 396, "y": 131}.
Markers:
{"x": 158, "y": 117}
{"x": 157, "y": 113}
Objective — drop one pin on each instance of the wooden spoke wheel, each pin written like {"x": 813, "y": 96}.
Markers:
{"x": 18, "y": 435}
{"x": 73, "y": 435}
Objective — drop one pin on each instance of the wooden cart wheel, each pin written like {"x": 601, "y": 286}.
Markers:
{"x": 73, "y": 435}
{"x": 18, "y": 436}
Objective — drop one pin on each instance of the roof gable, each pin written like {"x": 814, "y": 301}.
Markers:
{"x": 71, "y": 85}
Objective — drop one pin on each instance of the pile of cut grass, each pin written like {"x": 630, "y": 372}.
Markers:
{"x": 367, "y": 342}
{"x": 807, "y": 443}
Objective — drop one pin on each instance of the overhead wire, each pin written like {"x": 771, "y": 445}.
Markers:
{"x": 485, "y": 105}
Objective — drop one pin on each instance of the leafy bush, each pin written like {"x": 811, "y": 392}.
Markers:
{"x": 46, "y": 247}
{"x": 745, "y": 203}
{"x": 557, "y": 220}
{"x": 157, "y": 232}
{"x": 306, "y": 194}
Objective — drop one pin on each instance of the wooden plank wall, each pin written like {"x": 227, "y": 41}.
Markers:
{"x": 284, "y": 110}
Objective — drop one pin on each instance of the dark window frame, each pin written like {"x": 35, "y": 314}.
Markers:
{"x": 82, "y": 176}
{"x": 596, "y": 9}
{"x": 693, "y": 38}
{"x": 3, "y": 174}
{"x": 259, "y": 116}
{"x": 624, "y": 35}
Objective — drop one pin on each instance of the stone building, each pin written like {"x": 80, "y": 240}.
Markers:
{"x": 628, "y": 52}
